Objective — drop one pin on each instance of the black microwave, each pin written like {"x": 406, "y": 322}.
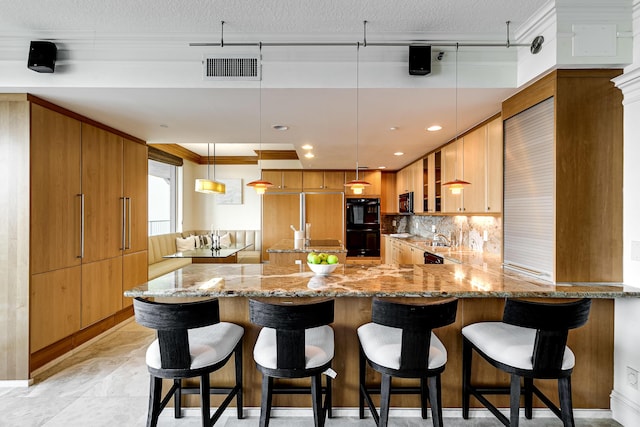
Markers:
{"x": 405, "y": 203}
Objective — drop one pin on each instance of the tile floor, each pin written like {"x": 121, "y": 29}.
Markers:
{"x": 106, "y": 384}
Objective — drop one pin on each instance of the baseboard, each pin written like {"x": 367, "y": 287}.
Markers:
{"x": 254, "y": 412}
{"x": 624, "y": 410}
{"x": 15, "y": 383}
{"x": 80, "y": 347}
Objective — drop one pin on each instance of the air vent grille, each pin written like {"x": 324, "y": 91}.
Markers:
{"x": 231, "y": 68}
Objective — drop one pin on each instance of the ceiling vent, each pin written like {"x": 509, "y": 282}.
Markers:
{"x": 231, "y": 67}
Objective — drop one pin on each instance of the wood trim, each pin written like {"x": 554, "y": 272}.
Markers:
{"x": 179, "y": 151}
{"x": 34, "y": 99}
{"x": 229, "y": 160}
{"x": 162, "y": 156}
{"x": 537, "y": 92}
{"x": 63, "y": 346}
{"x": 277, "y": 154}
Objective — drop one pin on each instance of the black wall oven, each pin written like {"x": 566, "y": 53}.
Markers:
{"x": 363, "y": 227}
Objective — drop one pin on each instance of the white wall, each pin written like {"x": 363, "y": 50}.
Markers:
{"x": 201, "y": 211}
{"x": 625, "y": 399}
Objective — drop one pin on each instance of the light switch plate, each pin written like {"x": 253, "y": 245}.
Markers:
{"x": 635, "y": 251}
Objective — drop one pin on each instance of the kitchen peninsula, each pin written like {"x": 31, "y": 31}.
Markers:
{"x": 286, "y": 252}
{"x": 481, "y": 289}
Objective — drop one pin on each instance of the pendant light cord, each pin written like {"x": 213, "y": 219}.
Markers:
{"x": 357, "y": 107}
{"x": 208, "y": 162}
{"x": 260, "y": 116}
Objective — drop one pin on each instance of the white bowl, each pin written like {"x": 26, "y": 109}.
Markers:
{"x": 323, "y": 269}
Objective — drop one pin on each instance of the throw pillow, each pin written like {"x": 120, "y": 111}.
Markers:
{"x": 225, "y": 240}
{"x": 185, "y": 244}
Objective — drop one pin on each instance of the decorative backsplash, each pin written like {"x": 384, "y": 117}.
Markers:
{"x": 468, "y": 231}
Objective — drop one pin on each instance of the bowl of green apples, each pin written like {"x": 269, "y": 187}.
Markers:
{"x": 321, "y": 263}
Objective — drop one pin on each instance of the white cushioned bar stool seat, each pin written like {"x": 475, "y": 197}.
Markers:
{"x": 399, "y": 342}
{"x": 318, "y": 347}
{"x": 529, "y": 343}
{"x": 295, "y": 341}
{"x": 192, "y": 342}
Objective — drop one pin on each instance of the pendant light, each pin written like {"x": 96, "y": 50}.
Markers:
{"x": 457, "y": 185}
{"x": 206, "y": 185}
{"x": 357, "y": 185}
{"x": 260, "y": 185}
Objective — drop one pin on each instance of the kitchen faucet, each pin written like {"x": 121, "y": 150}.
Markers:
{"x": 439, "y": 237}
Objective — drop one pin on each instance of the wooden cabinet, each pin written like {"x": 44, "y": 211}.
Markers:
{"x": 55, "y": 191}
{"x": 322, "y": 180}
{"x": 102, "y": 189}
{"x": 88, "y": 208}
{"x": 283, "y": 180}
{"x": 372, "y": 177}
{"x": 389, "y": 196}
{"x": 476, "y": 158}
{"x": 494, "y": 168}
{"x": 563, "y": 175}
{"x": 433, "y": 182}
{"x": 135, "y": 193}
{"x": 54, "y": 306}
{"x": 325, "y": 213}
{"x": 410, "y": 180}
{"x": 279, "y": 211}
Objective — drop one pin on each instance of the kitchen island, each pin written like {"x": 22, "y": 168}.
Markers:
{"x": 286, "y": 252}
{"x": 481, "y": 289}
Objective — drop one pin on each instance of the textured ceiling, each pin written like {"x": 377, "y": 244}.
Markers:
{"x": 164, "y": 100}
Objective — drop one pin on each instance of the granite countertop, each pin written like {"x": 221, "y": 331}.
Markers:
{"x": 460, "y": 255}
{"x": 327, "y": 246}
{"x": 419, "y": 280}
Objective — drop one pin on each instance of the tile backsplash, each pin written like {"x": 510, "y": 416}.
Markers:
{"x": 468, "y": 231}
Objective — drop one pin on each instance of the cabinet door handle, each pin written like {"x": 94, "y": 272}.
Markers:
{"x": 128, "y": 246}
{"x": 124, "y": 223}
{"x": 81, "y": 195}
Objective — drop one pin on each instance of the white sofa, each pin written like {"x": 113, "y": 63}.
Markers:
{"x": 165, "y": 244}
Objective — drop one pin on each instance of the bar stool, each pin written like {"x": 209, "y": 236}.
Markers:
{"x": 295, "y": 342}
{"x": 191, "y": 342}
{"x": 400, "y": 343}
{"x": 530, "y": 342}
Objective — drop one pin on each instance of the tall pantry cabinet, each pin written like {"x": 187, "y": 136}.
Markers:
{"x": 88, "y": 229}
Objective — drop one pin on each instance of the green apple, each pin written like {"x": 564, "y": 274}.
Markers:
{"x": 332, "y": 259}
{"x": 323, "y": 256}
{"x": 310, "y": 257}
{"x": 315, "y": 259}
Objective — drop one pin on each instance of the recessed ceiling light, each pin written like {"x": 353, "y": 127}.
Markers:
{"x": 164, "y": 126}
{"x": 393, "y": 128}
{"x": 309, "y": 155}
{"x": 434, "y": 128}
{"x": 307, "y": 147}
{"x": 398, "y": 153}
{"x": 382, "y": 167}
{"x": 280, "y": 127}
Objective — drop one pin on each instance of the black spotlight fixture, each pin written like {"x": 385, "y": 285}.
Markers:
{"x": 42, "y": 56}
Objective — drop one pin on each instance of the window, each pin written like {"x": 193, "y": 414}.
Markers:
{"x": 163, "y": 180}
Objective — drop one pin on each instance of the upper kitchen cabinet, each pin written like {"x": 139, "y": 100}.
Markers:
{"x": 433, "y": 183}
{"x": 477, "y": 159}
{"x": 389, "y": 199}
{"x": 372, "y": 177}
{"x": 286, "y": 180}
{"x": 322, "y": 180}
{"x": 562, "y": 213}
{"x": 494, "y": 169}
{"x": 410, "y": 180}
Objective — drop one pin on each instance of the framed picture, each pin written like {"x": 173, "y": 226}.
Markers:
{"x": 233, "y": 194}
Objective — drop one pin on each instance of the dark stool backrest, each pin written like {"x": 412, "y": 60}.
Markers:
{"x": 416, "y": 322}
{"x": 172, "y": 321}
{"x": 552, "y": 322}
{"x": 290, "y": 321}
